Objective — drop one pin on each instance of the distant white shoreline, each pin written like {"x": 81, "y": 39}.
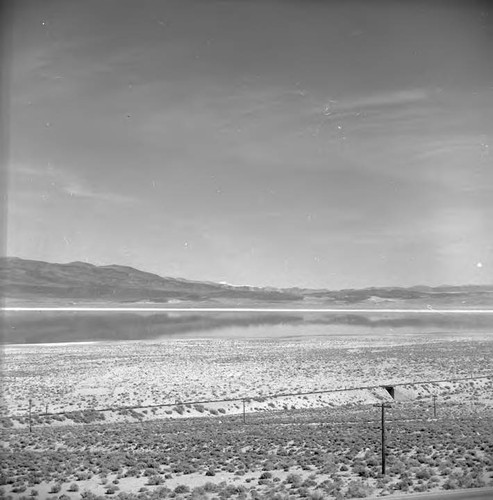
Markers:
{"x": 57, "y": 344}
{"x": 243, "y": 310}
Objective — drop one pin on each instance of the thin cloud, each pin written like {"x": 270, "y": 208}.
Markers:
{"x": 64, "y": 182}
{"x": 452, "y": 145}
{"x": 374, "y": 103}
{"x": 396, "y": 98}
{"x": 80, "y": 191}
{"x": 376, "y": 112}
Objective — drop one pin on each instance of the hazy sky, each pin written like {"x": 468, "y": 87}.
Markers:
{"x": 266, "y": 142}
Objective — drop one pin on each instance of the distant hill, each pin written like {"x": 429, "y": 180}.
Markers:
{"x": 468, "y": 294}
{"x": 31, "y": 281}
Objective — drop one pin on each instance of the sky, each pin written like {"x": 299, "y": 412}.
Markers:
{"x": 262, "y": 142}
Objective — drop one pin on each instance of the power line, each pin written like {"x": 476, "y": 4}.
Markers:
{"x": 262, "y": 398}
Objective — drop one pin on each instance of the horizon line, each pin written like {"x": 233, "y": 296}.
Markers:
{"x": 244, "y": 309}
{"x": 233, "y": 285}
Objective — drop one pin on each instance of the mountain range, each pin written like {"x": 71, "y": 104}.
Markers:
{"x": 30, "y": 282}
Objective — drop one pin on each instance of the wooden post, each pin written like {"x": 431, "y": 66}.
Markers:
{"x": 384, "y": 442}
{"x": 434, "y": 406}
{"x": 383, "y": 439}
{"x": 30, "y": 420}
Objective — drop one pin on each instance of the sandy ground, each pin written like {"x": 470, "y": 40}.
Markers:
{"x": 69, "y": 377}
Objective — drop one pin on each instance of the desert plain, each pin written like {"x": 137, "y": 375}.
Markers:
{"x": 245, "y": 407}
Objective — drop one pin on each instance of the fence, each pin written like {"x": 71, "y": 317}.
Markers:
{"x": 287, "y": 405}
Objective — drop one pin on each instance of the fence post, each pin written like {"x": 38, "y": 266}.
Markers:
{"x": 30, "y": 419}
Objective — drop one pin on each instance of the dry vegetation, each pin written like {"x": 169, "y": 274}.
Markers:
{"x": 312, "y": 454}
{"x": 309, "y": 446}
{"x": 69, "y": 377}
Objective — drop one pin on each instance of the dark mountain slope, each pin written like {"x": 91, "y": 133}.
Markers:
{"x": 78, "y": 280}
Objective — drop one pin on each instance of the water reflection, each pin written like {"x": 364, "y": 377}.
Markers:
{"x": 67, "y": 327}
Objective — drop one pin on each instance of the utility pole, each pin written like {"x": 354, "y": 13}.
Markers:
{"x": 383, "y": 445}
{"x": 434, "y": 406}
{"x": 30, "y": 420}
{"x": 244, "y": 414}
